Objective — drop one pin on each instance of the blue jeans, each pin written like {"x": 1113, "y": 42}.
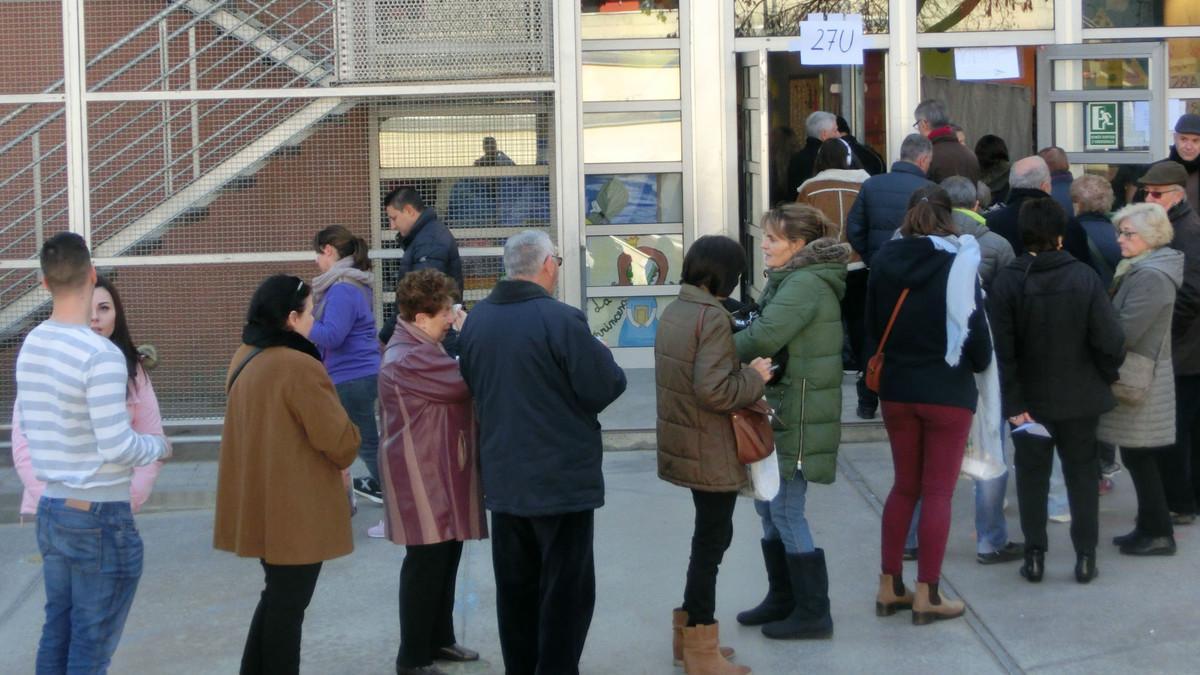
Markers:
{"x": 783, "y": 517}
{"x": 91, "y": 563}
{"x": 358, "y": 398}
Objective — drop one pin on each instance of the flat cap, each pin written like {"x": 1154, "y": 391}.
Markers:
{"x": 1165, "y": 172}
{"x": 1188, "y": 124}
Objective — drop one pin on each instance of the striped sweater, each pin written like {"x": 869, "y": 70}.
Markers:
{"x": 71, "y": 403}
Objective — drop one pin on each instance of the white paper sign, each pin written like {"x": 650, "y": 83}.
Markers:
{"x": 836, "y": 40}
{"x": 986, "y": 63}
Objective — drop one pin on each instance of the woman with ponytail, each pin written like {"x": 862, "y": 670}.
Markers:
{"x": 344, "y": 331}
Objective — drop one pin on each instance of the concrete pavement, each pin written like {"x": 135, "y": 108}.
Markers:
{"x": 194, "y": 604}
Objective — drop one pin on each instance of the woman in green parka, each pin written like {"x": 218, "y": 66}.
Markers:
{"x": 800, "y": 313}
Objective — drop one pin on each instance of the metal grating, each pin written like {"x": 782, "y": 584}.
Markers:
{"x": 31, "y": 47}
{"x": 413, "y": 40}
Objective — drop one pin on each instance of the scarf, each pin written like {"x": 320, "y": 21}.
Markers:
{"x": 822, "y": 250}
{"x": 960, "y": 290}
{"x": 342, "y": 271}
{"x": 257, "y": 335}
{"x": 1126, "y": 265}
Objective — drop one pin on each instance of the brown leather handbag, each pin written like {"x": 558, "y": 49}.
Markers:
{"x": 751, "y": 425}
{"x": 874, "y": 372}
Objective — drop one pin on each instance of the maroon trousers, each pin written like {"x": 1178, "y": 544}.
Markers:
{"x": 927, "y": 450}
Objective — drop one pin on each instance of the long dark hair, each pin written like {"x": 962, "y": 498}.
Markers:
{"x": 929, "y": 213}
{"x": 120, "y": 336}
{"x": 345, "y": 243}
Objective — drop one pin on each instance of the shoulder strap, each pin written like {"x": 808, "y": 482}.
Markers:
{"x": 253, "y": 353}
{"x": 895, "y": 310}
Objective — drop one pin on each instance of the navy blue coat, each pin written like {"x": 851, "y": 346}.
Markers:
{"x": 880, "y": 207}
{"x": 1003, "y": 221}
{"x": 428, "y": 245}
{"x": 539, "y": 380}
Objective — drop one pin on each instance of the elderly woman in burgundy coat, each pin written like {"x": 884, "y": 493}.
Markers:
{"x": 429, "y": 468}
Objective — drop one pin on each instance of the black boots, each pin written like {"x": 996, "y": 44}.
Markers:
{"x": 778, "y": 603}
{"x": 1035, "y": 564}
{"x": 809, "y": 618}
{"x": 1085, "y": 567}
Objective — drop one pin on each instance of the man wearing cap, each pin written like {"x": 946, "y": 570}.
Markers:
{"x": 1186, "y": 151}
{"x": 1164, "y": 185}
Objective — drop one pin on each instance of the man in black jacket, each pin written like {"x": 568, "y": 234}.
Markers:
{"x": 1029, "y": 178}
{"x": 1186, "y": 151}
{"x": 820, "y": 127}
{"x": 1165, "y": 184}
{"x": 539, "y": 380}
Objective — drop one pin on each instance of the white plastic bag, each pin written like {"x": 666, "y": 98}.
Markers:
{"x": 983, "y": 458}
{"x": 764, "y": 478}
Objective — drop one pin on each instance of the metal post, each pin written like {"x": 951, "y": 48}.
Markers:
{"x": 164, "y": 67}
{"x": 75, "y": 119}
{"x": 39, "y": 223}
{"x": 568, "y": 121}
{"x": 194, "y": 83}
{"x": 903, "y": 72}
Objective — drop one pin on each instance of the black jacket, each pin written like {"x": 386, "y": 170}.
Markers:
{"x": 428, "y": 245}
{"x": 880, "y": 207}
{"x": 1092, "y": 239}
{"x": 1058, "y": 341}
{"x": 1185, "y": 324}
{"x": 800, "y": 166}
{"x": 871, "y": 161}
{"x": 539, "y": 380}
{"x": 915, "y": 368}
{"x": 1003, "y": 221}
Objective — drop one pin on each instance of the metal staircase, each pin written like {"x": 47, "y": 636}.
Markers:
{"x": 268, "y": 43}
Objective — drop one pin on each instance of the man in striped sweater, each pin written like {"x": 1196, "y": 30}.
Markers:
{"x": 71, "y": 399}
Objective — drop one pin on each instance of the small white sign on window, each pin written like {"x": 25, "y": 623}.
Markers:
{"x": 835, "y": 40}
{"x": 986, "y": 63}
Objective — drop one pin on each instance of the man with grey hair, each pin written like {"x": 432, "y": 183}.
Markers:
{"x": 539, "y": 380}
{"x": 820, "y": 127}
{"x": 1029, "y": 178}
{"x": 950, "y": 157}
{"x": 995, "y": 250}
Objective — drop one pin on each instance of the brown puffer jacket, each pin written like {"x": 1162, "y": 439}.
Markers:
{"x": 833, "y": 192}
{"x": 699, "y": 382}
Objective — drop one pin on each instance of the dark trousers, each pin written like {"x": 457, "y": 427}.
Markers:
{"x": 1077, "y": 448}
{"x": 854, "y": 306}
{"x": 1178, "y": 462}
{"x": 711, "y": 537}
{"x": 273, "y": 643}
{"x": 927, "y": 449}
{"x": 1144, "y": 464}
{"x": 545, "y": 590}
{"x": 427, "y": 580}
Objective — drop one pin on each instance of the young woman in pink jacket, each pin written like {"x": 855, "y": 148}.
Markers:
{"x": 108, "y": 319}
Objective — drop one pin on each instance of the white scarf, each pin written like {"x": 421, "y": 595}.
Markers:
{"x": 960, "y": 290}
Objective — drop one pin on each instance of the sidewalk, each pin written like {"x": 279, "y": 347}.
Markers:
{"x": 194, "y": 604}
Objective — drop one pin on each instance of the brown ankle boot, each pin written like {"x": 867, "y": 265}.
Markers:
{"x": 929, "y": 606}
{"x": 701, "y": 656}
{"x": 892, "y": 595}
{"x": 679, "y": 619}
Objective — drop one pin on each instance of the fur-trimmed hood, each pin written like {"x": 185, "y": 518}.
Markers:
{"x": 823, "y": 250}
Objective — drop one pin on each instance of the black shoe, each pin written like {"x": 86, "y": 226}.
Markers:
{"x": 778, "y": 603}
{"x": 1011, "y": 551}
{"x": 1182, "y": 518}
{"x": 368, "y": 488}
{"x": 456, "y": 652}
{"x": 865, "y": 412}
{"x": 1127, "y": 538}
{"x": 423, "y": 670}
{"x": 1145, "y": 546}
{"x": 809, "y": 618}
{"x": 910, "y": 553}
{"x": 1035, "y": 565}
{"x": 1085, "y": 567}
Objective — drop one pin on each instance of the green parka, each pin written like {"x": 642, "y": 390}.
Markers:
{"x": 801, "y": 310}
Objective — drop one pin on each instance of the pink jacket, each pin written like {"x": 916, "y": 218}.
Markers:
{"x": 144, "y": 418}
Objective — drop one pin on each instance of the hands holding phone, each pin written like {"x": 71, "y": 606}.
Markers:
{"x": 763, "y": 367}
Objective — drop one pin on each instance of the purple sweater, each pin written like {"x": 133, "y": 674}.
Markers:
{"x": 345, "y": 333}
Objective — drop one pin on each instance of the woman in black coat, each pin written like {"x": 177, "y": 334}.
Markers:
{"x": 1059, "y": 345}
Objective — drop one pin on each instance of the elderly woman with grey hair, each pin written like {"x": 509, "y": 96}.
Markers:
{"x": 1090, "y": 236}
{"x": 1143, "y": 423}
{"x": 996, "y": 251}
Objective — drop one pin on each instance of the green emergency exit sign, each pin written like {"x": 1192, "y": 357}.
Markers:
{"x": 1102, "y": 127}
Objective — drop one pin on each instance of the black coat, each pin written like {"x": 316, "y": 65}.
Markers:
{"x": 871, "y": 161}
{"x": 1058, "y": 341}
{"x": 1185, "y": 324}
{"x": 428, "y": 245}
{"x": 915, "y": 368}
{"x": 880, "y": 207}
{"x": 1003, "y": 221}
{"x": 800, "y": 166}
{"x": 1097, "y": 229}
{"x": 539, "y": 380}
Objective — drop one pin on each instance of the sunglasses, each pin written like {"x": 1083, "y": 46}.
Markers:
{"x": 1158, "y": 194}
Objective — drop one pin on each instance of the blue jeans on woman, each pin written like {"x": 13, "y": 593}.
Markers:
{"x": 358, "y": 397}
{"x": 783, "y": 517}
{"x": 91, "y": 565}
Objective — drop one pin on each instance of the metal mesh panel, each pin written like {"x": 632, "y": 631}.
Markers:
{"x": 31, "y": 47}
{"x": 209, "y": 44}
{"x": 444, "y": 39}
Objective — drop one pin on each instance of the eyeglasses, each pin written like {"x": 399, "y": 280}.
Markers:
{"x": 1158, "y": 194}
{"x": 557, "y": 259}
{"x": 1127, "y": 234}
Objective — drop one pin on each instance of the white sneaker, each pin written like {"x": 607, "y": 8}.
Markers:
{"x": 1061, "y": 518}
{"x": 377, "y": 531}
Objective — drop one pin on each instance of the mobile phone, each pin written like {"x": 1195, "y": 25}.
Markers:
{"x": 774, "y": 367}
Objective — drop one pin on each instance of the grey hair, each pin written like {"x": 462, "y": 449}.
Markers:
{"x": 1030, "y": 173}
{"x": 984, "y": 194}
{"x": 914, "y": 147}
{"x": 525, "y": 252}
{"x": 1149, "y": 220}
{"x": 818, "y": 122}
{"x": 963, "y": 193}
{"x": 933, "y": 111}
{"x": 1092, "y": 193}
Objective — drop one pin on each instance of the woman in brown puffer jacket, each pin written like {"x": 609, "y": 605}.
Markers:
{"x": 699, "y": 382}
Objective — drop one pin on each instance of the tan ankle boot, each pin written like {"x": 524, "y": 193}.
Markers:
{"x": 887, "y": 601}
{"x": 929, "y": 606}
{"x": 679, "y": 619}
{"x": 701, "y": 656}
